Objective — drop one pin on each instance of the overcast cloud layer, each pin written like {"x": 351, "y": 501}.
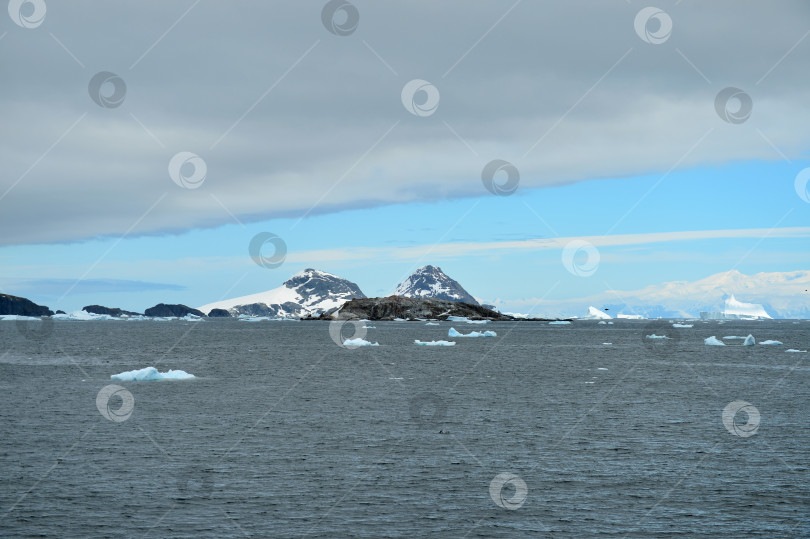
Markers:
{"x": 291, "y": 119}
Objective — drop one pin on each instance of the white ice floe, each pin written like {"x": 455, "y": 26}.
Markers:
{"x": 772, "y": 343}
{"x": 432, "y": 324}
{"x": 713, "y": 341}
{"x": 749, "y": 341}
{"x": 454, "y": 333}
{"x": 14, "y": 317}
{"x": 359, "y": 342}
{"x": 602, "y": 322}
{"x": 434, "y": 343}
{"x": 601, "y": 369}
{"x": 654, "y": 336}
{"x": 682, "y": 325}
{"x": 607, "y": 343}
{"x": 559, "y": 323}
{"x": 794, "y": 351}
{"x": 151, "y": 374}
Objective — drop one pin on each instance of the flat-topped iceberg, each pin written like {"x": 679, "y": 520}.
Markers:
{"x": 149, "y": 374}
{"x": 359, "y": 342}
{"x": 433, "y": 343}
{"x": 454, "y": 333}
{"x": 559, "y": 323}
{"x": 682, "y": 325}
{"x": 772, "y": 343}
{"x": 795, "y": 351}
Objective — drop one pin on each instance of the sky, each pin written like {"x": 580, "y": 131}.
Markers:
{"x": 532, "y": 150}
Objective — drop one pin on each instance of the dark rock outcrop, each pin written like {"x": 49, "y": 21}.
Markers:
{"x": 410, "y": 308}
{"x": 165, "y": 310}
{"x": 218, "y": 313}
{"x": 22, "y": 306}
{"x": 109, "y": 311}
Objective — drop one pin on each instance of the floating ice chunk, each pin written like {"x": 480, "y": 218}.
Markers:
{"x": 713, "y": 341}
{"x": 454, "y": 333}
{"x": 434, "y": 343}
{"x": 457, "y": 319}
{"x": 359, "y": 342}
{"x": 610, "y": 323}
{"x": 559, "y": 323}
{"x": 773, "y": 343}
{"x": 192, "y": 318}
{"x": 151, "y": 374}
{"x": 733, "y": 337}
{"x": 607, "y": 343}
{"x": 369, "y": 327}
{"x": 654, "y": 336}
{"x": 432, "y": 324}
{"x": 794, "y": 351}
{"x": 13, "y": 317}
{"x": 601, "y": 369}
{"x": 749, "y": 341}
{"x": 400, "y": 320}
{"x": 601, "y": 322}
{"x": 682, "y": 325}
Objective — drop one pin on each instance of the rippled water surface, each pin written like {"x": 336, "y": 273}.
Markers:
{"x": 285, "y": 434}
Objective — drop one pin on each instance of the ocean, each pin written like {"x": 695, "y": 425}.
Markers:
{"x": 542, "y": 430}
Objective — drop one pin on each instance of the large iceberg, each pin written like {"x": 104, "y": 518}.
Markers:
{"x": 596, "y": 314}
{"x": 151, "y": 374}
{"x": 740, "y": 309}
{"x": 454, "y": 333}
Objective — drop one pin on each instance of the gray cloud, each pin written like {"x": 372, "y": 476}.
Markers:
{"x": 565, "y": 91}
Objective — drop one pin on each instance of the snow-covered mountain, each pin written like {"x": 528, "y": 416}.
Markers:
{"x": 432, "y": 282}
{"x": 308, "y": 292}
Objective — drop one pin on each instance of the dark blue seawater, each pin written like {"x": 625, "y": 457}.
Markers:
{"x": 285, "y": 434}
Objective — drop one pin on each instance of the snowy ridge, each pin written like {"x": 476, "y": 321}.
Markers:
{"x": 431, "y": 282}
{"x": 308, "y": 292}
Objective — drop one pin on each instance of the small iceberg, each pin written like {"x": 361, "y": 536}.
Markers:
{"x": 794, "y": 351}
{"x": 14, "y": 317}
{"x": 654, "y": 336}
{"x": 749, "y": 341}
{"x": 359, "y": 342}
{"x": 602, "y": 323}
{"x": 432, "y": 324}
{"x": 772, "y": 343}
{"x": 433, "y": 343}
{"x": 682, "y": 325}
{"x": 454, "y": 333}
{"x": 149, "y": 374}
{"x": 369, "y": 327}
{"x": 713, "y": 341}
{"x": 559, "y": 323}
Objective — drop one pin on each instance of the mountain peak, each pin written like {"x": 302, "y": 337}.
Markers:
{"x": 431, "y": 282}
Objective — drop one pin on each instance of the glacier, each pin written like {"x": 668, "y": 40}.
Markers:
{"x": 149, "y": 374}
{"x": 453, "y": 333}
